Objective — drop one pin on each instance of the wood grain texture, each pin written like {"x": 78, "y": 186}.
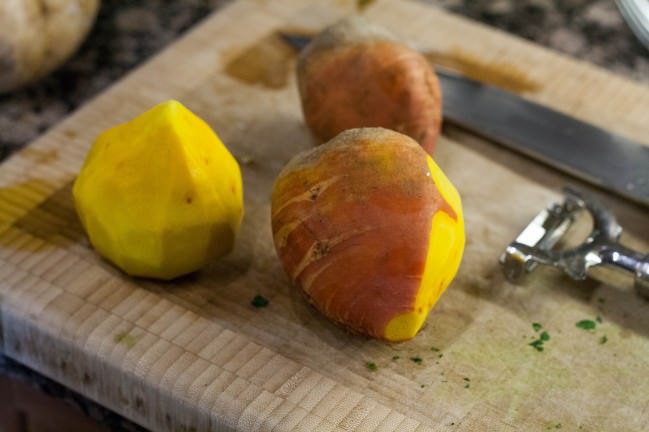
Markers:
{"x": 194, "y": 355}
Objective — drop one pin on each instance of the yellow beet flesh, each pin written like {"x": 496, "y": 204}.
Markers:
{"x": 370, "y": 230}
{"x": 445, "y": 246}
{"x": 160, "y": 196}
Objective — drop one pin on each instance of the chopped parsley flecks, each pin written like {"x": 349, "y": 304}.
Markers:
{"x": 371, "y": 366}
{"x": 536, "y": 326}
{"x": 586, "y": 324}
{"x": 126, "y": 339}
{"x": 417, "y": 360}
{"x": 259, "y": 301}
{"x": 537, "y": 345}
{"x": 362, "y": 4}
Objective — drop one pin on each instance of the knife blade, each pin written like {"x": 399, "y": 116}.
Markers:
{"x": 582, "y": 150}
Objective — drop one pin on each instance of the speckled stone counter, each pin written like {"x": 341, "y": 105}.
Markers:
{"x": 128, "y": 32}
{"x": 125, "y": 34}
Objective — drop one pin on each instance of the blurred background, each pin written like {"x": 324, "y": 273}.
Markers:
{"x": 127, "y": 32}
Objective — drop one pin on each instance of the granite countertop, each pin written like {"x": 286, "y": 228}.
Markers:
{"x": 127, "y": 32}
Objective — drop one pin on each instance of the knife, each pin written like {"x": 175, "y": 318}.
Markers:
{"x": 580, "y": 149}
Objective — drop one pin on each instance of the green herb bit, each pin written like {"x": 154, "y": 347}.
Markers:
{"x": 440, "y": 355}
{"x": 372, "y": 366}
{"x": 598, "y": 319}
{"x": 536, "y": 326}
{"x": 422, "y": 385}
{"x": 467, "y": 379}
{"x": 586, "y": 324}
{"x": 544, "y": 336}
{"x": 259, "y": 301}
{"x": 537, "y": 345}
{"x": 557, "y": 426}
{"x": 417, "y": 360}
{"x": 435, "y": 349}
{"x": 603, "y": 340}
{"x": 125, "y": 338}
{"x": 395, "y": 358}
{"x": 362, "y": 4}
{"x": 467, "y": 385}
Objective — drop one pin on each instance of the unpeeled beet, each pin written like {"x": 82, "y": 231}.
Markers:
{"x": 355, "y": 74}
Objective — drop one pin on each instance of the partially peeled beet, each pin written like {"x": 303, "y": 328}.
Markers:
{"x": 160, "y": 196}
{"x": 370, "y": 229}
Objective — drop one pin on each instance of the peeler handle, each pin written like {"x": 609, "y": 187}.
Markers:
{"x": 642, "y": 278}
{"x": 535, "y": 244}
{"x": 630, "y": 261}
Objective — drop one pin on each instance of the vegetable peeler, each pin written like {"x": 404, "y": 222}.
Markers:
{"x": 534, "y": 245}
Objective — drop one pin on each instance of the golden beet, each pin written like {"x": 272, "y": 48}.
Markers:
{"x": 160, "y": 195}
{"x": 370, "y": 229}
{"x": 354, "y": 74}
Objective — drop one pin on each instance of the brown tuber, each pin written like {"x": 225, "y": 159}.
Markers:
{"x": 370, "y": 229}
{"x": 37, "y": 36}
{"x": 355, "y": 74}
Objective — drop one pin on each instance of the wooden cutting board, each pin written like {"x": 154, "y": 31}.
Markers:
{"x": 194, "y": 355}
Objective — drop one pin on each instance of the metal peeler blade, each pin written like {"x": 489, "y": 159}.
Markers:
{"x": 534, "y": 245}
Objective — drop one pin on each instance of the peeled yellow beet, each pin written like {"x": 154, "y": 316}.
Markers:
{"x": 160, "y": 196}
{"x": 354, "y": 74}
{"x": 370, "y": 229}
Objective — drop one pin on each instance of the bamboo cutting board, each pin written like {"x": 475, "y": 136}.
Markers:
{"x": 194, "y": 355}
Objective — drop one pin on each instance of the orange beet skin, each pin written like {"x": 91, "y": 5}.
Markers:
{"x": 351, "y": 221}
{"x": 354, "y": 75}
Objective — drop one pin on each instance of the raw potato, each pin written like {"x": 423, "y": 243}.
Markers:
{"x": 37, "y": 36}
{"x": 370, "y": 229}
{"x": 160, "y": 196}
{"x": 354, "y": 74}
